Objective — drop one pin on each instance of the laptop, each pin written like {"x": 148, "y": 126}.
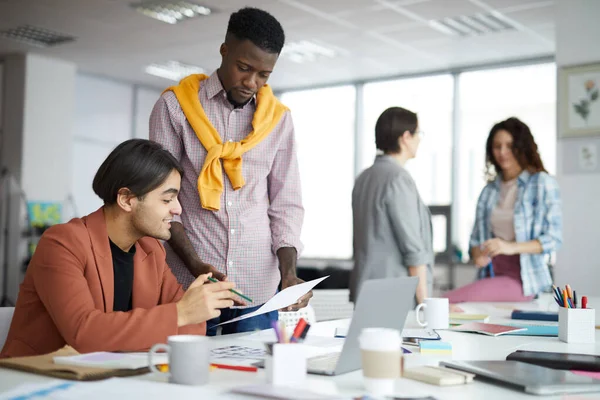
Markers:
{"x": 529, "y": 378}
{"x": 382, "y": 303}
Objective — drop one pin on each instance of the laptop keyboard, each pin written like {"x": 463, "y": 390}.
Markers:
{"x": 325, "y": 362}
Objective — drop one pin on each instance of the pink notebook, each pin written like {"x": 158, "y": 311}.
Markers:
{"x": 486, "y": 329}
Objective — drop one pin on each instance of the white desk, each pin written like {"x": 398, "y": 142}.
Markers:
{"x": 465, "y": 346}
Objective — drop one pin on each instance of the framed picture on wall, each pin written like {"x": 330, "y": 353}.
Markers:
{"x": 579, "y": 101}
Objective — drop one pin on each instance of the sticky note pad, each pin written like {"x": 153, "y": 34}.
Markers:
{"x": 435, "y": 347}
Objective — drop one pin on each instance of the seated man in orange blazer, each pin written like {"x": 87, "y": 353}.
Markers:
{"x": 101, "y": 283}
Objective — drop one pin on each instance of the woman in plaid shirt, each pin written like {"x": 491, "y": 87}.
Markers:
{"x": 518, "y": 221}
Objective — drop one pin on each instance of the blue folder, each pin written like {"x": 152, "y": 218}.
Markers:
{"x": 534, "y": 330}
{"x": 535, "y": 315}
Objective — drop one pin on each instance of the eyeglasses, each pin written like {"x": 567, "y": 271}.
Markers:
{"x": 420, "y": 133}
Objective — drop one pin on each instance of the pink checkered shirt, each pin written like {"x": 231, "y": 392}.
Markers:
{"x": 242, "y": 238}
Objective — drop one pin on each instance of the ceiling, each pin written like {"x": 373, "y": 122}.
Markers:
{"x": 375, "y": 38}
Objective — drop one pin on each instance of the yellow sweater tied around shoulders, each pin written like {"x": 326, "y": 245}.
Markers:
{"x": 210, "y": 181}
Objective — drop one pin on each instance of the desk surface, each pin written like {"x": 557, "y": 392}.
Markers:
{"x": 465, "y": 346}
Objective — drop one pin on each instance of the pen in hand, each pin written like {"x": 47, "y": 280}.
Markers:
{"x": 210, "y": 278}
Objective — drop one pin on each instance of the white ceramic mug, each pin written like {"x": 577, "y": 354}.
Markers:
{"x": 189, "y": 359}
{"x": 437, "y": 313}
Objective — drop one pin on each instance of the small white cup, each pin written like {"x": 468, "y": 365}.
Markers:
{"x": 381, "y": 356}
{"x": 189, "y": 359}
{"x": 437, "y": 313}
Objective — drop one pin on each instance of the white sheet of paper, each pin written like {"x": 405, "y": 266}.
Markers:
{"x": 286, "y": 297}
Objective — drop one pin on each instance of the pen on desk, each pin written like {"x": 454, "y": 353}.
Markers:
{"x": 298, "y": 330}
{"x": 558, "y": 295}
{"x": 584, "y": 301}
{"x": 557, "y": 300}
{"x": 283, "y": 332}
{"x": 210, "y": 278}
{"x": 275, "y": 326}
{"x": 575, "y": 298}
{"x": 305, "y": 332}
{"x": 235, "y": 367}
{"x": 565, "y": 303}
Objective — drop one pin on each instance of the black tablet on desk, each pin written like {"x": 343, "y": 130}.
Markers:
{"x": 529, "y": 378}
{"x": 580, "y": 362}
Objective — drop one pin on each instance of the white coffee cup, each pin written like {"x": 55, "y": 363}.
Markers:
{"x": 189, "y": 359}
{"x": 437, "y": 313}
{"x": 381, "y": 356}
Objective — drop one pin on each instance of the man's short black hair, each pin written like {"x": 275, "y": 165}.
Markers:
{"x": 392, "y": 124}
{"x": 136, "y": 164}
{"x": 257, "y": 26}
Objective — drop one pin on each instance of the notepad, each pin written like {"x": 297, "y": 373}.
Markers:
{"x": 486, "y": 329}
{"x": 438, "y": 376}
{"x": 435, "y": 347}
{"x": 463, "y": 318}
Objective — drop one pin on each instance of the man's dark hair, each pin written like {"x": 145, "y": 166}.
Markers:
{"x": 136, "y": 164}
{"x": 392, "y": 124}
{"x": 257, "y": 26}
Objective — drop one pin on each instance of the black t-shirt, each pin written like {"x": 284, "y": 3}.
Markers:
{"x": 123, "y": 273}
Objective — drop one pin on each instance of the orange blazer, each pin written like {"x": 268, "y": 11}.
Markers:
{"x": 67, "y": 295}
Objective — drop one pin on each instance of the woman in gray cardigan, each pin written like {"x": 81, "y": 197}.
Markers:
{"x": 392, "y": 225}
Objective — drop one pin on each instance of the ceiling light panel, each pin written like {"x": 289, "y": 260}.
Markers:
{"x": 473, "y": 25}
{"x": 171, "y": 12}
{"x": 35, "y": 36}
{"x": 173, "y": 70}
{"x": 307, "y": 51}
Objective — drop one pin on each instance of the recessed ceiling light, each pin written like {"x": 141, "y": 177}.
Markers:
{"x": 170, "y": 12}
{"x": 307, "y": 51}
{"x": 36, "y": 36}
{"x": 472, "y": 25}
{"x": 173, "y": 70}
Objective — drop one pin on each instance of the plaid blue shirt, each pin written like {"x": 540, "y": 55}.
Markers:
{"x": 537, "y": 217}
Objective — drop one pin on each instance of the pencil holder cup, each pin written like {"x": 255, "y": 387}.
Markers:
{"x": 577, "y": 325}
{"x": 286, "y": 365}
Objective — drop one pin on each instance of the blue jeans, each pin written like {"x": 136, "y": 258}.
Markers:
{"x": 259, "y": 322}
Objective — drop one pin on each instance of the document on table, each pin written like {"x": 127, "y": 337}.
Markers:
{"x": 103, "y": 359}
{"x": 285, "y": 298}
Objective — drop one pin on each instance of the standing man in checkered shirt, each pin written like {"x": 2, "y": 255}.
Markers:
{"x": 240, "y": 193}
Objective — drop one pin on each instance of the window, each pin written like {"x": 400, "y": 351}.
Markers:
{"x": 490, "y": 96}
{"x": 431, "y": 98}
{"x": 324, "y": 124}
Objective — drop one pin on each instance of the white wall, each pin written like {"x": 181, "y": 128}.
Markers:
{"x": 144, "y": 102}
{"x": 48, "y": 124}
{"x": 577, "y": 34}
{"x": 107, "y": 112}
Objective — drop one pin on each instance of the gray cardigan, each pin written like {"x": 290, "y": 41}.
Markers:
{"x": 392, "y": 225}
